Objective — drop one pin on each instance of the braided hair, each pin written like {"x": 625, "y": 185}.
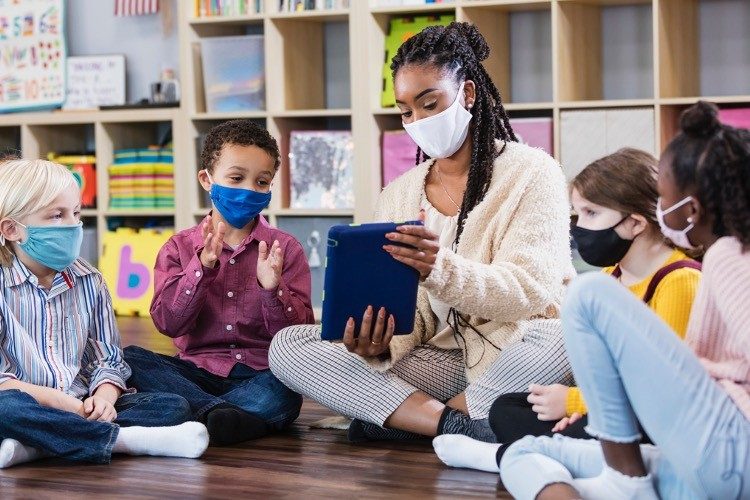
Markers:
{"x": 713, "y": 160}
{"x": 459, "y": 49}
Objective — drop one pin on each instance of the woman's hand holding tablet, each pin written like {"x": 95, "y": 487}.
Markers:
{"x": 364, "y": 274}
{"x": 423, "y": 252}
{"x": 373, "y": 340}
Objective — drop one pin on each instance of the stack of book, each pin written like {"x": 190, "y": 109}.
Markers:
{"x": 212, "y": 8}
{"x": 142, "y": 179}
{"x": 302, "y": 5}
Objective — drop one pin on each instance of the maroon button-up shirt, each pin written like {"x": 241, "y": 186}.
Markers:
{"x": 222, "y": 316}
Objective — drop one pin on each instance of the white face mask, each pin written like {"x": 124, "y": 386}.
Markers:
{"x": 678, "y": 236}
{"x": 441, "y": 135}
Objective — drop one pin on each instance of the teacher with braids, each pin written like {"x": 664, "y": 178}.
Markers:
{"x": 493, "y": 257}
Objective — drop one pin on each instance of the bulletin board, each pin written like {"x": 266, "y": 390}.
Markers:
{"x": 32, "y": 54}
{"x": 94, "y": 81}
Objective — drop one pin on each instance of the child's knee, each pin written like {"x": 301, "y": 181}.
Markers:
{"x": 585, "y": 290}
{"x": 135, "y": 353}
{"x": 12, "y": 403}
{"x": 13, "y": 397}
{"x": 176, "y": 409}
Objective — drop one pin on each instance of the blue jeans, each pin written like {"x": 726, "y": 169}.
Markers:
{"x": 68, "y": 435}
{"x": 631, "y": 367}
{"x": 257, "y": 392}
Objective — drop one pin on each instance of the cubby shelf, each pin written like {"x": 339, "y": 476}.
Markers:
{"x": 549, "y": 58}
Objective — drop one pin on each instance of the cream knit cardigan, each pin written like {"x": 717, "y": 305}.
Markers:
{"x": 512, "y": 261}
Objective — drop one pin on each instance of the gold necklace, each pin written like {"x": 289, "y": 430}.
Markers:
{"x": 440, "y": 178}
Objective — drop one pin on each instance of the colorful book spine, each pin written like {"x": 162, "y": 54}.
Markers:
{"x": 211, "y": 8}
{"x": 306, "y": 5}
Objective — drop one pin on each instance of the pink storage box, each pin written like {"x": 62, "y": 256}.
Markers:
{"x": 399, "y": 154}
{"x": 536, "y": 132}
{"x": 735, "y": 117}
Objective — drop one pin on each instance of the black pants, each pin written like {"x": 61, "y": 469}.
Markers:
{"x": 511, "y": 418}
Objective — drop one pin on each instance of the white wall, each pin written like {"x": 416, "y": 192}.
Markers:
{"x": 93, "y": 29}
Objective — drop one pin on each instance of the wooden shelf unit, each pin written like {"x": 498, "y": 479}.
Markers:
{"x": 567, "y": 64}
{"x": 34, "y": 135}
{"x": 565, "y": 54}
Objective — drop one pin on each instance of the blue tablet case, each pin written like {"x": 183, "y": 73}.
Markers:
{"x": 360, "y": 273}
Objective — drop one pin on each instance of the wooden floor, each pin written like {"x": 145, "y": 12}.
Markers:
{"x": 302, "y": 462}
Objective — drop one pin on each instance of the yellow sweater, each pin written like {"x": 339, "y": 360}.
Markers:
{"x": 672, "y": 301}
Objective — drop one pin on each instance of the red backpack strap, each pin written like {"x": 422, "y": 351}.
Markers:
{"x": 664, "y": 271}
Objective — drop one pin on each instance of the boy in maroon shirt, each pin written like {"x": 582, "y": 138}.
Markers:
{"x": 223, "y": 289}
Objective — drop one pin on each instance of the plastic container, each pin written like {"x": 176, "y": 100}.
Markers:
{"x": 233, "y": 73}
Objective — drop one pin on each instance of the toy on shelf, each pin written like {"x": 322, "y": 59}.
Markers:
{"x": 84, "y": 170}
{"x": 127, "y": 265}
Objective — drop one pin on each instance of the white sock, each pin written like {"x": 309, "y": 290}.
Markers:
{"x": 457, "y": 450}
{"x": 614, "y": 485}
{"x": 188, "y": 440}
{"x": 13, "y": 453}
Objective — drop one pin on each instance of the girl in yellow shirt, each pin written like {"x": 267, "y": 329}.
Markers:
{"x": 616, "y": 229}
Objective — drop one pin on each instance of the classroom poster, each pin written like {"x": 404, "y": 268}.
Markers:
{"x": 32, "y": 54}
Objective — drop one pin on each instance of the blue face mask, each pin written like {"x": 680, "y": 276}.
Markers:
{"x": 238, "y": 206}
{"x": 56, "y": 247}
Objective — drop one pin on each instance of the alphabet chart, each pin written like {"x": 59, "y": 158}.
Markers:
{"x": 32, "y": 54}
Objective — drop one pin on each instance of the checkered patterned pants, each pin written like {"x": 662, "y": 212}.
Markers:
{"x": 327, "y": 373}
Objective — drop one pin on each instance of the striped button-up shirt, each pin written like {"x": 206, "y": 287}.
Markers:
{"x": 66, "y": 337}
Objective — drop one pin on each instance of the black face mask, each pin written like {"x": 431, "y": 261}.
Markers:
{"x": 602, "y": 248}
